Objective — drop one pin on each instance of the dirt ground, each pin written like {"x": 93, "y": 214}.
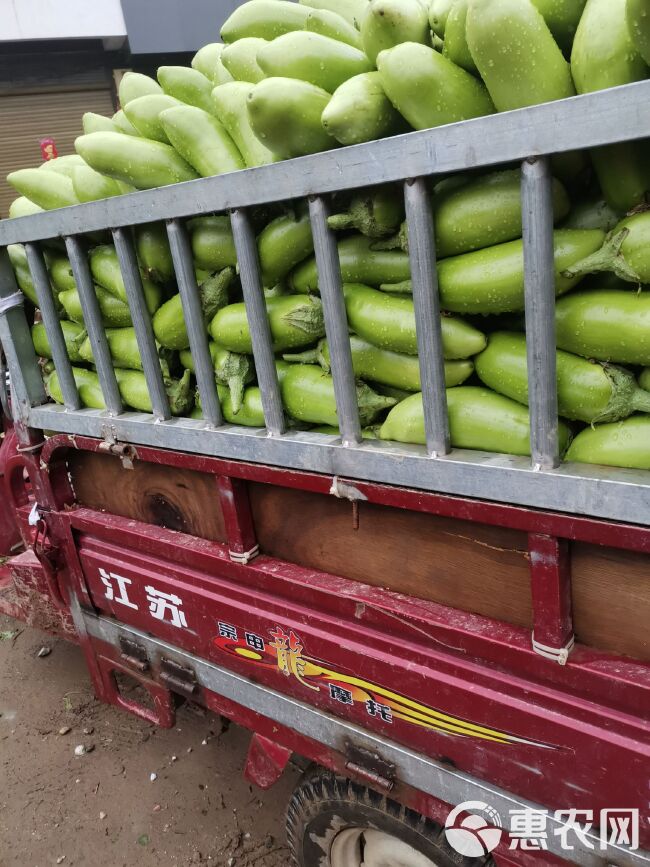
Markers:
{"x": 103, "y": 809}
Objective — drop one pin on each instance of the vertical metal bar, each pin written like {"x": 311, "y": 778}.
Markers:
{"x": 52, "y": 325}
{"x": 428, "y": 325}
{"x": 24, "y": 370}
{"x": 94, "y": 325}
{"x": 142, "y": 323}
{"x": 192, "y": 311}
{"x": 550, "y": 574}
{"x": 539, "y": 281}
{"x": 336, "y": 322}
{"x": 258, "y": 321}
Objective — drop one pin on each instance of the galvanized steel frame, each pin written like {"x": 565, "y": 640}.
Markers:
{"x": 529, "y": 136}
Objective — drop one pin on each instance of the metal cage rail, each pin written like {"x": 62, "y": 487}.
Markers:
{"x": 529, "y": 136}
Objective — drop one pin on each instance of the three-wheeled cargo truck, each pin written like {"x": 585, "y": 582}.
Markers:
{"x": 457, "y": 643}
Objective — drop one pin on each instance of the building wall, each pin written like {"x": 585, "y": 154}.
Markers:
{"x": 60, "y": 19}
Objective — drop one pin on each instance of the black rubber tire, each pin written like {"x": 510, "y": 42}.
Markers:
{"x": 323, "y": 804}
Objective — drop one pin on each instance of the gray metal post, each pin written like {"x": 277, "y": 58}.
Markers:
{"x": 336, "y": 322}
{"x": 52, "y": 325}
{"x": 24, "y": 370}
{"x": 141, "y": 322}
{"x": 94, "y": 324}
{"x": 539, "y": 272}
{"x": 426, "y": 300}
{"x": 258, "y": 321}
{"x": 179, "y": 244}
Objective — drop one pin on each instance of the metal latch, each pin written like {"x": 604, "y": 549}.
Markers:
{"x": 370, "y": 766}
{"x": 134, "y": 654}
{"x": 178, "y": 678}
{"x": 124, "y": 451}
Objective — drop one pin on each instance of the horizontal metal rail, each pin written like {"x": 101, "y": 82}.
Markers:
{"x": 529, "y": 136}
{"x": 595, "y": 119}
{"x": 574, "y": 488}
{"x": 415, "y": 769}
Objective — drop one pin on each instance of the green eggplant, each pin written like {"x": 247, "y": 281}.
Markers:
{"x": 72, "y": 331}
{"x": 241, "y": 59}
{"x": 144, "y": 164}
{"x": 92, "y": 122}
{"x": 352, "y": 10}
{"x": 335, "y": 26}
{"x": 562, "y": 18}
{"x": 319, "y": 60}
{"x": 604, "y": 56}
{"x": 515, "y": 53}
{"x": 621, "y": 444}
{"x": 168, "y": 321}
{"x": 123, "y": 124}
{"x": 250, "y": 413}
{"x": 428, "y": 89}
{"x": 387, "y": 23}
{"x": 359, "y": 111}
{"x": 144, "y": 114}
{"x": 263, "y": 19}
{"x": 90, "y": 186}
{"x": 115, "y": 313}
{"x": 213, "y": 245}
{"x": 626, "y": 252}
{"x": 283, "y": 244}
{"x": 644, "y": 379}
{"x": 308, "y": 396}
{"x": 592, "y": 213}
{"x": 134, "y": 85}
{"x": 231, "y": 109}
{"x": 295, "y": 322}
{"x": 638, "y": 24}
{"x": 383, "y": 366}
{"x": 105, "y": 268}
{"x": 455, "y": 46}
{"x": 478, "y": 419}
{"x": 359, "y": 264}
{"x": 23, "y": 207}
{"x": 388, "y": 322}
{"x": 64, "y": 165}
{"x": 187, "y": 85}
{"x": 479, "y": 213}
{"x": 208, "y": 61}
{"x": 285, "y": 115}
{"x": 201, "y": 140}
{"x": 605, "y": 324}
{"x": 153, "y": 251}
{"x": 586, "y": 391}
{"x": 48, "y": 190}
{"x": 373, "y": 212}
{"x": 438, "y": 15}
{"x": 231, "y": 369}
{"x": 492, "y": 280}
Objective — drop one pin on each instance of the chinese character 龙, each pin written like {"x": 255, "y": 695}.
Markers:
{"x": 161, "y": 604}
{"x": 289, "y": 654}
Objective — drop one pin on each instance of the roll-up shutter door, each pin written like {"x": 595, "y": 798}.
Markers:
{"x": 29, "y": 117}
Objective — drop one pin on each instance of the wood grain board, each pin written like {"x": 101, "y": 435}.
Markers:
{"x": 468, "y": 566}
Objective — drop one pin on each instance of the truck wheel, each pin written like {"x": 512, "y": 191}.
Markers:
{"x": 334, "y": 822}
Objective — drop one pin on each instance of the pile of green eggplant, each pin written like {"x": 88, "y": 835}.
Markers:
{"x": 295, "y": 78}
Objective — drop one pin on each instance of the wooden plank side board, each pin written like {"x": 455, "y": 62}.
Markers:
{"x": 611, "y": 599}
{"x": 467, "y": 566}
{"x": 177, "y": 499}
